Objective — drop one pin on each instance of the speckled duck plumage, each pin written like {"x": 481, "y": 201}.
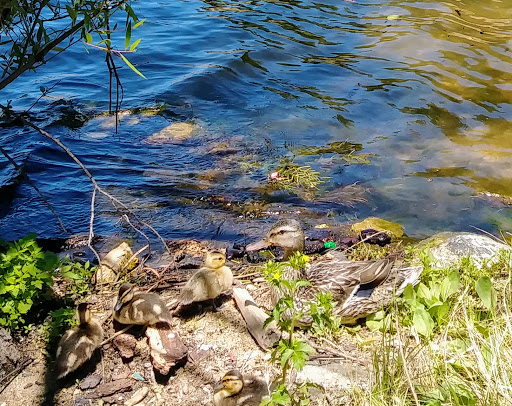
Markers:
{"x": 360, "y": 288}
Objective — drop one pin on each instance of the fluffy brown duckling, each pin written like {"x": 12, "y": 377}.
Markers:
{"x": 208, "y": 282}
{"x": 238, "y": 390}
{"x": 143, "y": 308}
{"x": 79, "y": 343}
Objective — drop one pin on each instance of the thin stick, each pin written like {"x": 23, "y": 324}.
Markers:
{"x": 116, "y": 334}
{"x": 88, "y": 174}
{"x": 13, "y": 374}
{"x": 43, "y": 198}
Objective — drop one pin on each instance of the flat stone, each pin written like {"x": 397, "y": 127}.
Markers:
{"x": 447, "y": 248}
{"x": 90, "y": 382}
{"x": 335, "y": 376}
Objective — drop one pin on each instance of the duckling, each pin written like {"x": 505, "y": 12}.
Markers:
{"x": 134, "y": 307}
{"x": 78, "y": 344}
{"x": 359, "y": 287}
{"x": 237, "y": 390}
{"x": 208, "y": 282}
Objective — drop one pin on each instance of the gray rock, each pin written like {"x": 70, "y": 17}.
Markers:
{"x": 335, "y": 376}
{"x": 447, "y": 248}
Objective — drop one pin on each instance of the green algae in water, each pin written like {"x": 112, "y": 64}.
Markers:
{"x": 339, "y": 147}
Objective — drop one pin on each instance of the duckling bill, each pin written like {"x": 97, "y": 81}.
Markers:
{"x": 79, "y": 343}
{"x": 143, "y": 308}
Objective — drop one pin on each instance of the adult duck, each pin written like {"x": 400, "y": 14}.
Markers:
{"x": 360, "y": 288}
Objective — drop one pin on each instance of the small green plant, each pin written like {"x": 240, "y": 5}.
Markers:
{"x": 25, "y": 276}
{"x": 429, "y": 304}
{"x": 290, "y": 352}
{"x": 325, "y": 323}
{"x": 80, "y": 276}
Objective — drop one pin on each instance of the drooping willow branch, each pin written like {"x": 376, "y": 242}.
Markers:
{"x": 96, "y": 188}
{"x": 43, "y": 198}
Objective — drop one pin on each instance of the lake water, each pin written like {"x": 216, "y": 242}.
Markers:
{"x": 421, "y": 90}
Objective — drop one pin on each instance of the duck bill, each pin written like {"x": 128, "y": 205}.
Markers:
{"x": 118, "y": 306}
{"x": 256, "y": 246}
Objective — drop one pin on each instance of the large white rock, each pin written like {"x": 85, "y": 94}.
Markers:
{"x": 448, "y": 248}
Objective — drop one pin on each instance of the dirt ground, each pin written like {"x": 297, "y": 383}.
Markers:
{"x": 216, "y": 342}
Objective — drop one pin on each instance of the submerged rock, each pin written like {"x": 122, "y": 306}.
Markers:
{"x": 176, "y": 132}
{"x": 379, "y": 225}
{"x": 448, "y": 248}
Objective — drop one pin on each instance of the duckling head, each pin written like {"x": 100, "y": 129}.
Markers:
{"x": 83, "y": 312}
{"x": 215, "y": 259}
{"x": 125, "y": 295}
{"x": 285, "y": 233}
{"x": 232, "y": 385}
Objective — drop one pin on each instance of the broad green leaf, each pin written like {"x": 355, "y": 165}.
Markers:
{"x": 374, "y": 325}
{"x": 24, "y": 307}
{"x": 450, "y": 285}
{"x": 88, "y": 38}
{"x": 423, "y": 322}
{"x": 126, "y": 61}
{"x": 486, "y": 292}
{"x": 72, "y": 12}
{"x": 422, "y": 291}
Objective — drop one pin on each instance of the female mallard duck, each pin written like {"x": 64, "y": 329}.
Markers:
{"x": 237, "y": 390}
{"x": 78, "y": 344}
{"x": 359, "y": 287}
{"x": 208, "y": 282}
{"x": 135, "y": 307}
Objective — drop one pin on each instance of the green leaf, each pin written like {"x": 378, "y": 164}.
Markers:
{"x": 423, "y": 322}
{"x": 126, "y": 61}
{"x": 423, "y": 292}
{"x": 72, "y": 13}
{"x": 88, "y": 38}
{"x": 134, "y": 45}
{"x": 128, "y": 35}
{"x": 450, "y": 285}
{"x": 486, "y": 292}
{"x": 24, "y": 307}
{"x": 139, "y": 23}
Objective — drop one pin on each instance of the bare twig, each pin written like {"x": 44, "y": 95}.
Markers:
{"x": 97, "y": 188}
{"x": 43, "y": 198}
{"x": 13, "y": 374}
{"x": 116, "y": 334}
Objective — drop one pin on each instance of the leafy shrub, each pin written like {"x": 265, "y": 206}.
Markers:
{"x": 25, "y": 276}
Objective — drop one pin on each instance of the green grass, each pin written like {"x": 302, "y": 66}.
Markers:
{"x": 463, "y": 356}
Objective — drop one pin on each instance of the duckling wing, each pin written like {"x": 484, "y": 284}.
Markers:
{"x": 254, "y": 390}
{"x": 145, "y": 308}
{"x": 203, "y": 285}
{"x": 77, "y": 346}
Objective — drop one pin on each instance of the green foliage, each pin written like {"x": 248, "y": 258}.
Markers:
{"x": 25, "y": 276}
{"x": 29, "y": 33}
{"x": 292, "y": 352}
{"x": 292, "y": 177}
{"x": 80, "y": 276}
{"x": 321, "y": 310}
{"x": 61, "y": 320}
{"x": 429, "y": 304}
